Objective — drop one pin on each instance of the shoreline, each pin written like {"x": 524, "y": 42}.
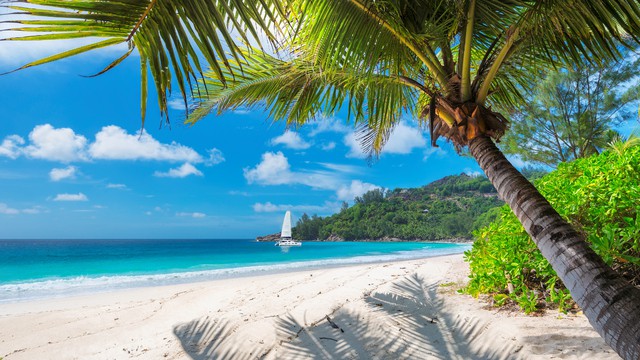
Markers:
{"x": 405, "y": 309}
{"x": 55, "y": 288}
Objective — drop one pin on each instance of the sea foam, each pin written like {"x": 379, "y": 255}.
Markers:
{"x": 69, "y": 286}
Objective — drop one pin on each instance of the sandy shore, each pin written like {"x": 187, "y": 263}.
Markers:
{"x": 401, "y": 310}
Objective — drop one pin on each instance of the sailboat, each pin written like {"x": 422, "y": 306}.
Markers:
{"x": 285, "y": 235}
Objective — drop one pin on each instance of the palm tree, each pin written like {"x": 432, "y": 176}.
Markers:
{"x": 444, "y": 61}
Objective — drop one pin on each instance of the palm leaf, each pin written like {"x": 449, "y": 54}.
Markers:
{"x": 172, "y": 36}
{"x": 297, "y": 91}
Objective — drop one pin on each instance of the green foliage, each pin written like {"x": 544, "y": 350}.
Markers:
{"x": 599, "y": 196}
{"x": 572, "y": 113}
{"x": 451, "y": 207}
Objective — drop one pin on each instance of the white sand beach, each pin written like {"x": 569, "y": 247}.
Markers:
{"x": 400, "y": 310}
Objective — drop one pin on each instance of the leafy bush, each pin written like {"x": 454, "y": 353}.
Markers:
{"x": 599, "y": 195}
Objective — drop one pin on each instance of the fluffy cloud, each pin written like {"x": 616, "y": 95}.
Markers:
{"x": 356, "y": 188}
{"x": 49, "y": 143}
{"x": 196, "y": 215}
{"x": 111, "y": 143}
{"x": 71, "y": 197}
{"x": 6, "y": 210}
{"x": 10, "y": 146}
{"x": 114, "y": 143}
{"x": 58, "y": 174}
{"x": 183, "y": 171}
{"x": 291, "y": 140}
{"x": 403, "y": 140}
{"x": 274, "y": 169}
{"x": 215, "y": 157}
{"x": 355, "y": 148}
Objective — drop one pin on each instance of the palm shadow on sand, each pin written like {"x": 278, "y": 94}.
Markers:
{"x": 206, "y": 339}
{"x": 406, "y": 322}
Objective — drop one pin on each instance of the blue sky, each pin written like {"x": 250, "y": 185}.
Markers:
{"x": 73, "y": 163}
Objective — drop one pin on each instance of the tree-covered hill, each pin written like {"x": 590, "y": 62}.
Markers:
{"x": 449, "y": 208}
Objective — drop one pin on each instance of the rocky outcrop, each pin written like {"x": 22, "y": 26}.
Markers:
{"x": 272, "y": 237}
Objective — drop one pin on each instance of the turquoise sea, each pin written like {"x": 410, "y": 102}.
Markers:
{"x": 31, "y": 269}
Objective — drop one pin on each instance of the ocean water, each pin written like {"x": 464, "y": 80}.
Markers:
{"x": 31, "y": 269}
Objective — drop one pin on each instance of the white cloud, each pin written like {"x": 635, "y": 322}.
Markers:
{"x": 183, "y": 171}
{"x": 274, "y": 169}
{"x": 62, "y": 144}
{"x": 329, "y": 125}
{"x": 6, "y": 210}
{"x": 117, "y": 186}
{"x": 238, "y": 193}
{"x": 291, "y": 140}
{"x": 176, "y": 104}
{"x": 111, "y": 143}
{"x": 328, "y": 146}
{"x": 10, "y": 146}
{"x": 402, "y": 141}
{"x": 471, "y": 172}
{"x": 196, "y": 215}
{"x": 342, "y": 168}
{"x": 356, "y": 188}
{"x": 215, "y": 157}
{"x": 269, "y": 207}
{"x": 429, "y": 151}
{"x": 114, "y": 143}
{"x": 71, "y": 197}
{"x": 33, "y": 210}
{"x": 57, "y": 174}
{"x": 355, "y": 148}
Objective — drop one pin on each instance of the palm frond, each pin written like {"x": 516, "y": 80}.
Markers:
{"x": 550, "y": 33}
{"x": 298, "y": 90}
{"x": 173, "y": 37}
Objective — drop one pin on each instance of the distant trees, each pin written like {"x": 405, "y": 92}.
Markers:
{"x": 572, "y": 113}
{"x": 370, "y": 197}
{"x": 445, "y": 209}
{"x": 308, "y": 228}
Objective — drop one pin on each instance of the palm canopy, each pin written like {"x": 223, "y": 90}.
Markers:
{"x": 383, "y": 57}
{"x": 445, "y": 60}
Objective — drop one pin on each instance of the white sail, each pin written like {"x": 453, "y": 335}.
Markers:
{"x": 286, "y": 226}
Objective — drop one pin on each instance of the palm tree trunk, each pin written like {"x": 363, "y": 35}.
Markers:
{"x": 610, "y": 303}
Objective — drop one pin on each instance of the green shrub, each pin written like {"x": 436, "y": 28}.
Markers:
{"x": 599, "y": 195}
